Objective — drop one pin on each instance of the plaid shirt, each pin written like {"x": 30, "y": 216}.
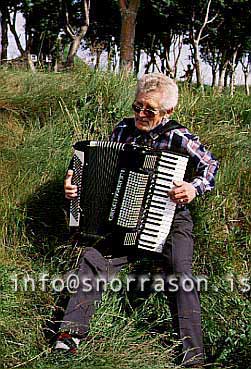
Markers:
{"x": 179, "y": 140}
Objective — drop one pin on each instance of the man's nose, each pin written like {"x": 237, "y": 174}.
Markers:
{"x": 142, "y": 113}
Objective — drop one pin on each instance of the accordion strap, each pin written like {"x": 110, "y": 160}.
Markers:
{"x": 171, "y": 125}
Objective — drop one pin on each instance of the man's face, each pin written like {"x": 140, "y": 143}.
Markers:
{"x": 149, "y": 114}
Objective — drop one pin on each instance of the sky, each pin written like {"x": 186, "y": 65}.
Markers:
{"x": 184, "y": 60}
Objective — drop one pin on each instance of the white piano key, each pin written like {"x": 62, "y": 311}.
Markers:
{"x": 161, "y": 182}
{"x": 161, "y": 227}
{"x": 151, "y": 234}
{"x": 163, "y": 189}
{"x": 179, "y": 161}
{"x": 144, "y": 237}
{"x": 156, "y": 216}
{"x": 169, "y": 205}
{"x": 151, "y": 226}
{"x": 158, "y": 198}
{"x": 174, "y": 157}
{"x": 165, "y": 164}
{"x": 170, "y": 172}
{"x": 145, "y": 243}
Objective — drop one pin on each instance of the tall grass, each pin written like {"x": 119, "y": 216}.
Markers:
{"x": 40, "y": 117}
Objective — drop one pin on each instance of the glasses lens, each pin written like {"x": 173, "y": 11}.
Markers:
{"x": 136, "y": 108}
{"x": 149, "y": 113}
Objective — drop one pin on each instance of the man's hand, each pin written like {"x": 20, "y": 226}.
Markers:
{"x": 182, "y": 193}
{"x": 70, "y": 190}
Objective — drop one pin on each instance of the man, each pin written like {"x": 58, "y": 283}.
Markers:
{"x": 155, "y": 100}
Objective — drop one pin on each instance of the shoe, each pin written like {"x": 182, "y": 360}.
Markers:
{"x": 67, "y": 342}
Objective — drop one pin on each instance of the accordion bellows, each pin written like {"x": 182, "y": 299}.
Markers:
{"x": 123, "y": 192}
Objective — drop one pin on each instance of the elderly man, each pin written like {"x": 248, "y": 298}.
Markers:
{"x": 155, "y": 100}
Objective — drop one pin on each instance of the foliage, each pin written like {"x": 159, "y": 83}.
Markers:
{"x": 41, "y": 116}
{"x": 158, "y": 23}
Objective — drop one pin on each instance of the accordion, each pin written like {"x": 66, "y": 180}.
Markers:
{"x": 123, "y": 192}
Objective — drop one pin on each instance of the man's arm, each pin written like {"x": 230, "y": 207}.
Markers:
{"x": 206, "y": 167}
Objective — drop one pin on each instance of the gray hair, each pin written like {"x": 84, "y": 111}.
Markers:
{"x": 159, "y": 82}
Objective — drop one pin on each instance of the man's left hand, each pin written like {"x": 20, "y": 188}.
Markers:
{"x": 182, "y": 193}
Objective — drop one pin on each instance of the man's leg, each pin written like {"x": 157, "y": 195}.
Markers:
{"x": 184, "y": 303}
{"x": 93, "y": 270}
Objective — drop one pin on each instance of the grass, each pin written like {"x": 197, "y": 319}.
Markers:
{"x": 41, "y": 116}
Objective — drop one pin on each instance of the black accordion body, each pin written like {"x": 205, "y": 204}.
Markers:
{"x": 122, "y": 192}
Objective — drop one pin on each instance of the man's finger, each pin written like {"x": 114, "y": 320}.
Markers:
{"x": 177, "y": 183}
{"x": 69, "y": 173}
{"x": 68, "y": 178}
{"x": 177, "y": 190}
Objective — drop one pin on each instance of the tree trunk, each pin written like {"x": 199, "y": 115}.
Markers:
{"x": 197, "y": 67}
{"x": 245, "y": 62}
{"x": 109, "y": 56}
{"x": 127, "y": 36}
{"x": 222, "y": 73}
{"x": 74, "y": 46}
{"x": 226, "y": 76}
{"x": 137, "y": 60}
{"x": 246, "y": 83}
{"x": 177, "y": 57}
{"x": 151, "y": 63}
{"x": 214, "y": 72}
{"x": 232, "y": 71}
{"x": 30, "y": 62}
{"x": 98, "y": 56}
{"x": 169, "y": 68}
{"x": 12, "y": 26}
{"x": 77, "y": 36}
{"x": 4, "y": 40}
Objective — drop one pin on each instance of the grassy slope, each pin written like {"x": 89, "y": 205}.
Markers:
{"x": 40, "y": 117}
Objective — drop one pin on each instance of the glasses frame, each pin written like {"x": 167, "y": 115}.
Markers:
{"x": 148, "y": 112}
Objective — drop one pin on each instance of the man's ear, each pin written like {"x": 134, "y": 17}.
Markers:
{"x": 169, "y": 111}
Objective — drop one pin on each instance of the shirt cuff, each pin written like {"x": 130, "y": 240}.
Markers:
{"x": 199, "y": 186}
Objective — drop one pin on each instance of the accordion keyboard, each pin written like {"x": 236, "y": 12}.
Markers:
{"x": 160, "y": 209}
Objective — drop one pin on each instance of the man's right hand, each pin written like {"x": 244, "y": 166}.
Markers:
{"x": 70, "y": 190}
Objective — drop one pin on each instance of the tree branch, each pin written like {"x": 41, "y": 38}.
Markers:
{"x": 122, "y": 4}
{"x": 70, "y": 31}
{"x": 205, "y": 21}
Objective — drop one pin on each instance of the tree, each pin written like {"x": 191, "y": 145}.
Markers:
{"x": 104, "y": 31}
{"x": 186, "y": 20}
{"x": 158, "y": 34}
{"x": 226, "y": 44}
{"x": 4, "y": 30}
{"x": 77, "y": 21}
{"x": 246, "y": 64}
{"x": 128, "y": 10}
{"x": 9, "y": 10}
{"x": 196, "y": 35}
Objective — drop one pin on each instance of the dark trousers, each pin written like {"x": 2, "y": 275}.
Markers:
{"x": 175, "y": 262}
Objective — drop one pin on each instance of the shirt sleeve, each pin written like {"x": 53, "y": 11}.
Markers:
{"x": 117, "y": 132}
{"x": 205, "y": 164}
{"x": 114, "y": 135}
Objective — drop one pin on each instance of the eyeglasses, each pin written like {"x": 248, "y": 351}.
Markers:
{"x": 148, "y": 112}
